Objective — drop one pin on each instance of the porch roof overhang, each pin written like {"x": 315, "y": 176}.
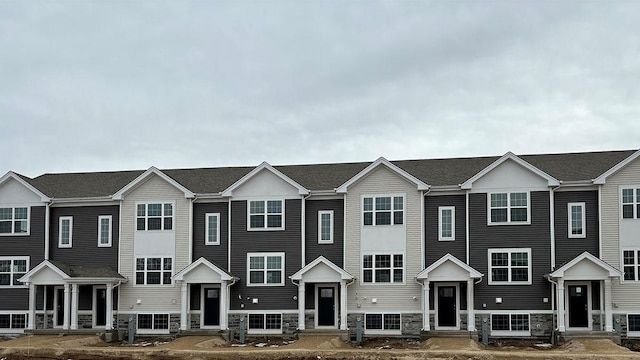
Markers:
{"x": 321, "y": 270}
{"x": 585, "y": 267}
{"x": 448, "y": 268}
{"x": 203, "y": 271}
{"x": 59, "y": 273}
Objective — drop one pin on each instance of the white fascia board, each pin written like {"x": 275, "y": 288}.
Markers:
{"x": 16, "y": 177}
{"x": 228, "y": 192}
{"x": 510, "y": 156}
{"x": 44, "y": 264}
{"x": 224, "y": 276}
{"x": 152, "y": 170}
{"x": 613, "y": 272}
{"x": 321, "y": 259}
{"x": 473, "y": 273}
{"x": 603, "y": 178}
{"x": 420, "y": 185}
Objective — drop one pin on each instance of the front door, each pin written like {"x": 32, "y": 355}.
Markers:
{"x": 101, "y": 307}
{"x": 326, "y": 306}
{"x": 59, "y": 304}
{"x": 211, "y": 306}
{"x": 447, "y": 312}
{"x": 578, "y": 306}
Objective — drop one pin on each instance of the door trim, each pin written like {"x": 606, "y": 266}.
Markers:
{"x": 94, "y": 305}
{"x": 220, "y": 312}
{"x": 56, "y": 299}
{"x": 336, "y": 310}
{"x": 435, "y": 305}
{"x": 589, "y": 305}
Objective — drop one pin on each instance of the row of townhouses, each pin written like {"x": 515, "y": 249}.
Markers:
{"x": 531, "y": 245}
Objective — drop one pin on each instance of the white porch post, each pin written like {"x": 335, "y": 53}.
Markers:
{"x": 223, "y": 305}
{"x": 32, "y": 306}
{"x": 608, "y": 322}
{"x": 343, "y": 305}
{"x": 108, "y": 325}
{"x": 74, "y": 306}
{"x": 183, "y": 305}
{"x": 65, "y": 322}
{"x": 425, "y": 313}
{"x": 471, "y": 314}
{"x": 560, "y": 297}
{"x": 301, "y": 301}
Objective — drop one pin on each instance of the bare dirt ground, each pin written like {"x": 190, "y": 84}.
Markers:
{"x": 78, "y": 347}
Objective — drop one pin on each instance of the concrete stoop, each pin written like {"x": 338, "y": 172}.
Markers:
{"x": 570, "y": 335}
{"x": 424, "y": 335}
{"x": 343, "y": 334}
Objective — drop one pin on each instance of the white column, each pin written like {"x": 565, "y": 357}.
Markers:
{"x": 65, "y": 322}
{"x": 425, "y": 313}
{"x": 560, "y": 292}
{"x": 223, "y": 305}
{"x": 343, "y": 305}
{"x": 109, "y": 311}
{"x": 301, "y": 301}
{"x": 32, "y": 307}
{"x": 74, "y": 306}
{"x": 184, "y": 302}
{"x": 608, "y": 321}
{"x": 471, "y": 313}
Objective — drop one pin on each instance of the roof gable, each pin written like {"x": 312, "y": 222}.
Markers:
{"x": 452, "y": 260}
{"x": 144, "y": 176}
{"x": 420, "y": 185}
{"x": 590, "y": 259}
{"x": 619, "y": 166}
{"x": 264, "y": 166}
{"x": 13, "y": 176}
{"x": 506, "y": 157}
{"x": 319, "y": 261}
{"x": 202, "y": 263}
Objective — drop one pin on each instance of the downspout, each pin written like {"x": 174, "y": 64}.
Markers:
{"x": 599, "y": 221}
{"x": 47, "y": 220}
{"x": 229, "y": 236}
{"x": 553, "y": 302}
{"x": 466, "y": 223}
{"x": 303, "y": 226}
{"x": 193, "y": 199}
{"x": 552, "y": 225}
{"x": 423, "y": 237}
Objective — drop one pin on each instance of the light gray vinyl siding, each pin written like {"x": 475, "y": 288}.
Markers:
{"x": 568, "y": 248}
{"x": 333, "y": 252}
{"x": 242, "y": 242}
{"x": 218, "y": 254}
{"x": 435, "y": 249}
{"x": 535, "y": 236}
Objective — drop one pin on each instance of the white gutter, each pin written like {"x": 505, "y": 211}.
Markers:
{"x": 47, "y": 216}
{"x": 466, "y": 223}
{"x": 229, "y": 236}
{"x": 303, "y": 229}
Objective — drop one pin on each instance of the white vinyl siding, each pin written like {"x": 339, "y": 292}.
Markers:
{"x": 446, "y": 223}
{"x": 577, "y": 220}
{"x": 212, "y": 229}
{"x": 104, "y": 231}
{"x": 325, "y": 227}
{"x": 65, "y": 232}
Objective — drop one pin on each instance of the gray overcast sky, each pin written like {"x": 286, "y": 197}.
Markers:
{"x": 115, "y": 85}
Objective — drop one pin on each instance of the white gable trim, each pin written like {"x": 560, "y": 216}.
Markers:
{"x": 140, "y": 179}
{"x": 180, "y": 276}
{"x": 264, "y": 166}
{"x": 382, "y": 161}
{"x": 16, "y": 177}
{"x": 321, "y": 259}
{"x": 28, "y": 277}
{"x": 473, "y": 273}
{"x": 510, "y": 156}
{"x": 559, "y": 273}
{"x": 603, "y": 178}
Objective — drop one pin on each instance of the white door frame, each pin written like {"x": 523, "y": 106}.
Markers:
{"x": 336, "y": 309}
{"x": 55, "y": 306}
{"x": 94, "y": 307}
{"x": 589, "y": 305}
{"x": 436, "y": 286}
{"x": 220, "y": 305}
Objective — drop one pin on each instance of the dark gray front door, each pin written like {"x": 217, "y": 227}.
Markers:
{"x": 101, "y": 307}
{"x": 326, "y": 306}
{"x": 211, "y": 306}
{"x": 59, "y": 307}
{"x": 447, "y": 316}
{"x": 578, "y": 306}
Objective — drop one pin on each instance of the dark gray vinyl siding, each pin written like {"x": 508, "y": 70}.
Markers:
{"x": 535, "y": 236}
{"x": 568, "y": 248}
{"x": 333, "y": 252}
{"x": 435, "y": 249}
{"x": 243, "y": 242}
{"x": 215, "y": 253}
{"x": 85, "y": 250}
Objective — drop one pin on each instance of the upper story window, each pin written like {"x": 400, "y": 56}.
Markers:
{"x": 12, "y": 269}
{"x": 383, "y": 268}
{"x": 631, "y": 203}
{"x": 65, "y": 232}
{"x": 212, "y": 229}
{"x": 153, "y": 271}
{"x": 325, "y": 227}
{"x": 266, "y": 215}
{"x": 104, "y": 231}
{"x": 631, "y": 264}
{"x": 154, "y": 216}
{"x": 447, "y": 223}
{"x": 265, "y": 269}
{"x": 383, "y": 210}
{"x": 510, "y": 266}
{"x": 509, "y": 208}
{"x": 14, "y": 221}
{"x": 577, "y": 224}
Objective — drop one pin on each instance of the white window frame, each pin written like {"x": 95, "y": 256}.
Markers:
{"x": 12, "y": 273}
{"x": 392, "y": 268}
{"x": 266, "y": 214}
{"x": 635, "y": 203}
{"x": 12, "y": 328}
{"x": 441, "y": 210}
{"x": 635, "y": 265}
{"x": 264, "y": 330}
{"x": 320, "y": 214}
{"x": 382, "y": 331}
{"x": 629, "y": 332}
{"x": 146, "y": 271}
{"x": 153, "y": 329}
{"x": 110, "y": 235}
{"x": 509, "y": 267}
{"x": 509, "y": 207}
{"x": 13, "y": 221}
{"x": 510, "y": 332}
{"x": 583, "y": 219}
{"x": 207, "y": 241}
{"x": 61, "y": 220}
{"x": 374, "y": 211}
{"x": 265, "y": 255}
{"x": 163, "y": 217}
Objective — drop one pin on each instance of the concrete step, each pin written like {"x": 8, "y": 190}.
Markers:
{"x": 449, "y": 333}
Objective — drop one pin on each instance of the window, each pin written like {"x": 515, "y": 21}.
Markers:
{"x": 577, "y": 223}
{"x": 633, "y": 324}
{"x": 212, "y": 229}
{"x": 154, "y": 216}
{"x": 104, "y": 231}
{"x": 265, "y": 323}
{"x": 382, "y": 322}
{"x": 266, "y": 215}
{"x": 150, "y": 322}
{"x": 509, "y": 324}
{"x": 510, "y": 266}
{"x": 631, "y": 203}
{"x": 12, "y": 269}
{"x": 383, "y": 210}
{"x": 153, "y": 271}
{"x": 265, "y": 269}
{"x": 509, "y": 208}
{"x": 325, "y": 227}
{"x": 447, "y": 223}
{"x": 65, "y": 233}
{"x": 13, "y": 321}
{"x": 382, "y": 268}
{"x": 631, "y": 264}
{"x": 14, "y": 221}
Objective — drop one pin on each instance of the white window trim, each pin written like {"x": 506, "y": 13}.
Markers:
{"x": 632, "y": 333}
{"x": 60, "y": 221}
{"x": 636, "y": 265}
{"x": 100, "y": 218}
{"x": 373, "y": 269}
{"x": 135, "y": 270}
{"x": 441, "y": 209}
{"x": 264, "y": 331}
{"x": 374, "y": 196}
{"x": 509, "y": 250}
{"x": 12, "y": 258}
{"x": 382, "y": 331}
{"x": 265, "y": 228}
{"x": 635, "y": 203}
{"x": 13, "y": 233}
{"x": 162, "y": 217}
{"x": 330, "y": 213}
{"x": 570, "y": 222}
{"x": 509, "y": 333}
{"x": 206, "y": 229}
{"x": 265, "y": 255}
{"x": 509, "y": 222}
{"x": 11, "y": 329}
{"x": 153, "y": 330}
